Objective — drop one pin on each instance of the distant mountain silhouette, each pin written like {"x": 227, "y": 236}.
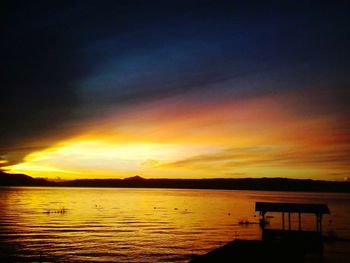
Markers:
{"x": 268, "y": 184}
{"x": 22, "y": 180}
{"x": 134, "y": 178}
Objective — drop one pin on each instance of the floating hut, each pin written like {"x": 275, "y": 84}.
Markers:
{"x": 276, "y": 245}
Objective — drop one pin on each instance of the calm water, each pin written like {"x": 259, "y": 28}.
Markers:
{"x": 143, "y": 225}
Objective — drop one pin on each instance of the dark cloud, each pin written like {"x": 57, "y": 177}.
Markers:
{"x": 39, "y": 67}
{"x": 44, "y": 57}
{"x": 267, "y": 47}
{"x": 64, "y": 61}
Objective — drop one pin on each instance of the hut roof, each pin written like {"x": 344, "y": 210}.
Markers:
{"x": 265, "y": 207}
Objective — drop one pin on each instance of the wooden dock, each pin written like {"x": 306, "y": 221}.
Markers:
{"x": 276, "y": 245}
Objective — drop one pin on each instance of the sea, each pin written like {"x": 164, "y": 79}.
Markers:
{"x": 49, "y": 224}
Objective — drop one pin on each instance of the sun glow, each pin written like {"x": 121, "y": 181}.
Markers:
{"x": 87, "y": 158}
{"x": 258, "y": 138}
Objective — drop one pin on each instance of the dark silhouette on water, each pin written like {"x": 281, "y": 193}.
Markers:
{"x": 55, "y": 211}
{"x": 276, "y": 245}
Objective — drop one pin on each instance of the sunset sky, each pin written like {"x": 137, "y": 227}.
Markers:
{"x": 176, "y": 89}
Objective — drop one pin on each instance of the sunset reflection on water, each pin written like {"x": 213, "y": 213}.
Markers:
{"x": 133, "y": 225}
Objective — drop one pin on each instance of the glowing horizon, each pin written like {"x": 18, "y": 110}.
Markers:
{"x": 177, "y": 90}
{"x": 207, "y": 140}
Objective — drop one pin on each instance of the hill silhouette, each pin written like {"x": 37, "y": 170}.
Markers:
{"x": 22, "y": 180}
{"x": 268, "y": 184}
{"x": 134, "y": 178}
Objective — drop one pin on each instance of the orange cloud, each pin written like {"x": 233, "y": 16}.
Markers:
{"x": 190, "y": 138}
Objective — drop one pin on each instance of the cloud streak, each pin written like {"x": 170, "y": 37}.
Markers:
{"x": 266, "y": 157}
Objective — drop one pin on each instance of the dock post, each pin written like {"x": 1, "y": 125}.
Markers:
{"x": 283, "y": 220}
{"x": 299, "y": 222}
{"x": 263, "y": 220}
{"x": 289, "y": 220}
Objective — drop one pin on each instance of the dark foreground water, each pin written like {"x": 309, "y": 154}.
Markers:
{"x": 144, "y": 225}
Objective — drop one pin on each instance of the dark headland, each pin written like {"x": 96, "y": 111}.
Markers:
{"x": 268, "y": 184}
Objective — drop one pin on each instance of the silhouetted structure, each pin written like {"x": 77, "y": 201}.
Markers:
{"x": 276, "y": 245}
{"x": 305, "y": 241}
{"x": 318, "y": 209}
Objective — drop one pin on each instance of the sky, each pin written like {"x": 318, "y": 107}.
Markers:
{"x": 175, "y": 89}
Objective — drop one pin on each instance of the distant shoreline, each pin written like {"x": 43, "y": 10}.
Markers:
{"x": 258, "y": 184}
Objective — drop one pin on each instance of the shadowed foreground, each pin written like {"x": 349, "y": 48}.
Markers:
{"x": 284, "y": 245}
{"x": 252, "y": 251}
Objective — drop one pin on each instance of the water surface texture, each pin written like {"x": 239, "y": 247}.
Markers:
{"x": 144, "y": 225}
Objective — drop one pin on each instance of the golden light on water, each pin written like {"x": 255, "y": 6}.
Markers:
{"x": 110, "y": 224}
